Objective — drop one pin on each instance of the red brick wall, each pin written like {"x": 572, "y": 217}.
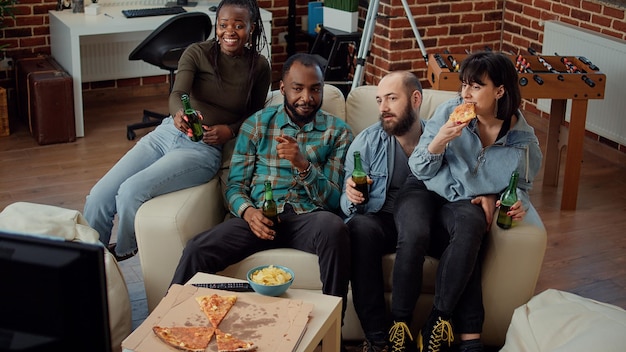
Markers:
{"x": 459, "y": 25}
{"x": 512, "y": 25}
{"x": 443, "y": 25}
{"x": 28, "y": 34}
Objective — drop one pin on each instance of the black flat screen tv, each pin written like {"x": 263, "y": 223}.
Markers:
{"x": 53, "y": 295}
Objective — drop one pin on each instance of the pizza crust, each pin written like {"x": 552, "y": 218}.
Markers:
{"x": 463, "y": 113}
{"x": 228, "y": 343}
{"x": 185, "y": 338}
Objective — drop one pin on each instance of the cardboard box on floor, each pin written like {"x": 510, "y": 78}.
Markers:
{"x": 273, "y": 324}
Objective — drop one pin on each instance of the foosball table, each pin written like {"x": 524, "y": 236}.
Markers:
{"x": 559, "y": 78}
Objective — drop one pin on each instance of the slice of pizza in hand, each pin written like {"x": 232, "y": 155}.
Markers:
{"x": 215, "y": 307}
{"x": 463, "y": 113}
{"x": 228, "y": 343}
{"x": 185, "y": 338}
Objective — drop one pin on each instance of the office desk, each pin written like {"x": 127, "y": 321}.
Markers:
{"x": 96, "y": 48}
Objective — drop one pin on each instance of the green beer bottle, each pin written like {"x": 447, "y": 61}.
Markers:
{"x": 269, "y": 205}
{"x": 360, "y": 177}
{"x": 508, "y": 198}
{"x": 194, "y": 120}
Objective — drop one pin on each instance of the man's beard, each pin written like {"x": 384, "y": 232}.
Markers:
{"x": 403, "y": 125}
{"x": 301, "y": 118}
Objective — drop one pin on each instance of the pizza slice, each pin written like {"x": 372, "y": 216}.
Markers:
{"x": 216, "y": 307}
{"x": 228, "y": 343}
{"x": 463, "y": 113}
{"x": 185, "y": 338}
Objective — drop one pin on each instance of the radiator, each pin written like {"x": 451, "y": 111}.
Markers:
{"x": 605, "y": 117}
{"x": 105, "y": 57}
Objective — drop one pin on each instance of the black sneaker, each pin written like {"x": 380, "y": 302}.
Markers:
{"x": 436, "y": 331}
{"x": 120, "y": 258}
{"x": 367, "y": 346}
{"x": 471, "y": 346}
{"x": 400, "y": 339}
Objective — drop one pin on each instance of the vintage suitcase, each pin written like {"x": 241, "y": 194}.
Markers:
{"x": 23, "y": 68}
{"x": 45, "y": 99}
{"x": 51, "y": 107}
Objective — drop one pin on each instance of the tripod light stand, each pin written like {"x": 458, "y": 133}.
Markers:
{"x": 368, "y": 32}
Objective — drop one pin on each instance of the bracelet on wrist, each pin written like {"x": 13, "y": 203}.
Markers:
{"x": 305, "y": 171}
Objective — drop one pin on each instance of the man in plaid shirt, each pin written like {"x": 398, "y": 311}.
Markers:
{"x": 300, "y": 150}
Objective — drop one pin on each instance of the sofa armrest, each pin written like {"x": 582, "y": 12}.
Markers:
{"x": 510, "y": 270}
{"x": 164, "y": 224}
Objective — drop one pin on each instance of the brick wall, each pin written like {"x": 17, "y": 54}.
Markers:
{"x": 452, "y": 25}
{"x": 29, "y": 33}
{"x": 512, "y": 25}
{"x": 459, "y": 25}
{"x": 443, "y": 25}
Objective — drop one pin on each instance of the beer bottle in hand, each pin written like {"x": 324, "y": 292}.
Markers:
{"x": 269, "y": 205}
{"x": 193, "y": 119}
{"x": 360, "y": 177}
{"x": 508, "y": 198}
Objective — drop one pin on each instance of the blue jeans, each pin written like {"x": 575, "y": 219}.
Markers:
{"x": 163, "y": 161}
{"x": 427, "y": 222}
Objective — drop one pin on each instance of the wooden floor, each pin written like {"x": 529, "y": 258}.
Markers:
{"x": 586, "y": 251}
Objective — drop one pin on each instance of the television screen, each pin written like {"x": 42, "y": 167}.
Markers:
{"x": 53, "y": 295}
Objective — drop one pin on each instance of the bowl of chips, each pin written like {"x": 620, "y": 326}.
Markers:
{"x": 270, "y": 280}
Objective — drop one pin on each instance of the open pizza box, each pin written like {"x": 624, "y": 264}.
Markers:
{"x": 273, "y": 324}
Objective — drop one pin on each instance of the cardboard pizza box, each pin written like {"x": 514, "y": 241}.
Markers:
{"x": 273, "y": 324}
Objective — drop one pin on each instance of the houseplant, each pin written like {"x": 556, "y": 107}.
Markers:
{"x": 6, "y": 9}
{"x": 341, "y": 14}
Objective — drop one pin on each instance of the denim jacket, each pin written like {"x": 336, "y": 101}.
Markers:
{"x": 375, "y": 145}
{"x": 466, "y": 169}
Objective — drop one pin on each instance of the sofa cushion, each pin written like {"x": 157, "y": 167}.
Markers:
{"x": 307, "y": 268}
{"x": 334, "y": 102}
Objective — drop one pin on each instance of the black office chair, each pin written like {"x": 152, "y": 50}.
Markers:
{"x": 163, "y": 48}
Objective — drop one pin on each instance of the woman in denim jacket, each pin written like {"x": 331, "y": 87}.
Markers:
{"x": 458, "y": 171}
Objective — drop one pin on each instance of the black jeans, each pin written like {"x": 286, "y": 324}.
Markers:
{"x": 320, "y": 232}
{"x": 372, "y": 235}
{"x": 424, "y": 221}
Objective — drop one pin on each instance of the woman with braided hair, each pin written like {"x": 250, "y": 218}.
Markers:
{"x": 227, "y": 79}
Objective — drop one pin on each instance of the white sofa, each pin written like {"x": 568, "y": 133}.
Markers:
{"x": 164, "y": 224}
{"x": 48, "y": 220}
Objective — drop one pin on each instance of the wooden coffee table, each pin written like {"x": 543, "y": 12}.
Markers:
{"x": 324, "y": 324}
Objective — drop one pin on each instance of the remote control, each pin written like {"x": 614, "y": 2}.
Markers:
{"x": 228, "y": 286}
